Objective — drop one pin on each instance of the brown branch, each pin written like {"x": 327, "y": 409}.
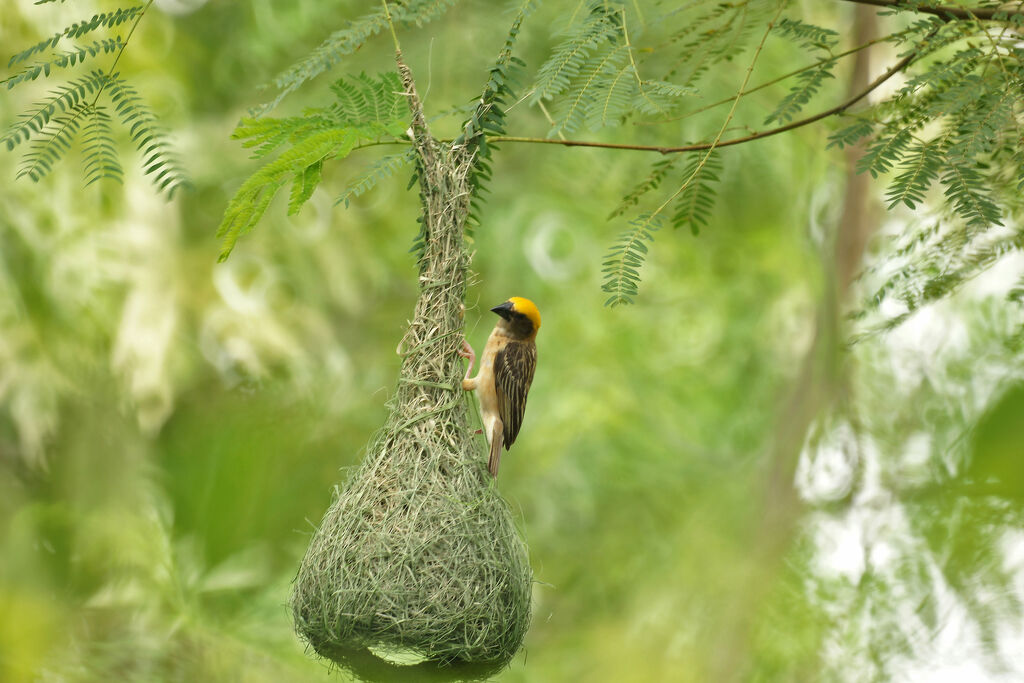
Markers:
{"x": 948, "y": 12}
{"x": 896, "y": 68}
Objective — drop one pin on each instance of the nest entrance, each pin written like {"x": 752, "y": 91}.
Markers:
{"x": 418, "y": 555}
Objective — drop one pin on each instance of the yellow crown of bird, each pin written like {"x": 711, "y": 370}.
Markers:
{"x": 527, "y": 308}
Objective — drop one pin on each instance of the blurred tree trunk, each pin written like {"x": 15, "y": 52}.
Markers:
{"x": 817, "y": 387}
{"x": 858, "y": 219}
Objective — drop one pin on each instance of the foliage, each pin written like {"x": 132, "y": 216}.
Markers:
{"x": 489, "y": 119}
{"x": 820, "y": 43}
{"x": 72, "y": 110}
{"x": 365, "y": 110}
{"x": 694, "y": 203}
{"x": 612, "y": 62}
{"x": 349, "y": 39}
{"x": 622, "y": 267}
{"x": 593, "y": 73}
{"x": 970, "y": 83}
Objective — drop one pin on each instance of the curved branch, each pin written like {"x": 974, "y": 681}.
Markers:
{"x": 703, "y": 146}
{"x": 947, "y": 12}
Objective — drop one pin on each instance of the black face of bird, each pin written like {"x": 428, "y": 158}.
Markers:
{"x": 519, "y": 324}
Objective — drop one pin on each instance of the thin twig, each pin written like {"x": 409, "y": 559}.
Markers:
{"x": 117, "y": 58}
{"x": 632, "y": 61}
{"x": 544, "y": 110}
{"x": 391, "y": 25}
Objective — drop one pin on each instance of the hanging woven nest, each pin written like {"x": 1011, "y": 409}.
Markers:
{"x": 418, "y": 557}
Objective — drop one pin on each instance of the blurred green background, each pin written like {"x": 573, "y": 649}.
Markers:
{"x": 171, "y": 429}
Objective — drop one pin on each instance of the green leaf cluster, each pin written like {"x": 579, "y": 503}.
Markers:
{"x": 692, "y": 205}
{"x": 364, "y": 110}
{"x": 621, "y": 267}
{"x": 819, "y": 42}
{"x": 347, "y": 40}
{"x": 700, "y": 36}
{"x": 974, "y": 96}
{"x": 953, "y": 127}
{"x": 83, "y": 109}
{"x": 489, "y": 118}
{"x": 593, "y": 73}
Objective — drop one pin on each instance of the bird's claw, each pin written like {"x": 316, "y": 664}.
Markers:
{"x": 467, "y": 352}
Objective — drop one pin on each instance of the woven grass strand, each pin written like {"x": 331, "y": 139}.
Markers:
{"x": 418, "y": 554}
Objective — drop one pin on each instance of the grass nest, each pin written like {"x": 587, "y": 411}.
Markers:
{"x": 418, "y": 558}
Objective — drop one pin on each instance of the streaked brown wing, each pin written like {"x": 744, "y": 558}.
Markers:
{"x": 513, "y": 374}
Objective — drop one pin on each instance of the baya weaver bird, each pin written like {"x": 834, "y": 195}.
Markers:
{"x": 506, "y": 372}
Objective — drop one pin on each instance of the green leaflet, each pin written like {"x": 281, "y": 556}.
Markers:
{"x": 252, "y": 199}
{"x": 807, "y": 86}
{"x": 64, "y": 60}
{"x": 61, "y": 101}
{"x": 158, "y": 161}
{"x": 709, "y": 37}
{"x": 850, "y": 135}
{"x": 100, "y": 149}
{"x": 694, "y": 204}
{"x": 592, "y": 74}
{"x": 622, "y": 265}
{"x": 919, "y": 171}
{"x": 659, "y": 170}
{"x": 79, "y": 29}
{"x": 52, "y": 142}
{"x": 598, "y": 27}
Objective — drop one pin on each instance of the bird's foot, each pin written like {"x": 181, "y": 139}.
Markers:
{"x": 467, "y": 352}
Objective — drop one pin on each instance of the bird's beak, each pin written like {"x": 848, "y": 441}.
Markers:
{"x": 504, "y": 310}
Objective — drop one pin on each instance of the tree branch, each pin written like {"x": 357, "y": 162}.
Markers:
{"x": 703, "y": 146}
{"x": 948, "y": 12}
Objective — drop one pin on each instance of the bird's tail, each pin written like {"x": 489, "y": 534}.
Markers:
{"x": 497, "y": 433}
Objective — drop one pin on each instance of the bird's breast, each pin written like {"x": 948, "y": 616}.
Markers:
{"x": 486, "y": 391}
